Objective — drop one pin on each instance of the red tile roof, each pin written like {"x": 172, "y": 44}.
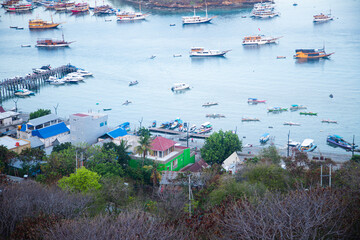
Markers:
{"x": 196, "y": 167}
{"x": 161, "y": 144}
{"x": 2, "y": 109}
{"x": 81, "y": 115}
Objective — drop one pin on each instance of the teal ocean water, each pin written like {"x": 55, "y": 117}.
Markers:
{"x": 118, "y": 53}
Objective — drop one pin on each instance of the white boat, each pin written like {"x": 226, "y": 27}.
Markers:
{"x": 292, "y": 124}
{"x": 201, "y": 52}
{"x": 259, "y": 40}
{"x": 51, "y": 79}
{"x": 23, "y": 92}
{"x": 57, "y": 82}
{"x": 307, "y": 146}
{"x": 84, "y": 73}
{"x": 180, "y": 87}
{"x": 197, "y": 19}
{"x": 264, "y": 14}
{"x": 292, "y": 143}
{"x": 127, "y": 102}
{"x": 322, "y": 18}
{"x": 208, "y": 104}
{"x": 131, "y": 16}
{"x": 73, "y": 79}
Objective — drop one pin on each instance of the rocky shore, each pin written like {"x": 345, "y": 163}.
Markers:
{"x": 189, "y": 4}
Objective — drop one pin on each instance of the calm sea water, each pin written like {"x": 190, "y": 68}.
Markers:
{"x": 119, "y": 52}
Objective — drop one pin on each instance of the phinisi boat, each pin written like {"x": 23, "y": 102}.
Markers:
{"x": 259, "y": 40}
{"x": 41, "y": 24}
{"x": 80, "y": 8}
{"x": 197, "y": 19}
{"x": 20, "y": 8}
{"x": 322, "y": 18}
{"x": 104, "y": 10}
{"x": 247, "y": 119}
{"x": 311, "y": 53}
{"x": 201, "y": 52}
{"x": 292, "y": 124}
{"x": 130, "y": 16}
{"x": 52, "y": 43}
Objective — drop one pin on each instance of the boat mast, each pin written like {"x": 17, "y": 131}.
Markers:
{"x": 206, "y": 9}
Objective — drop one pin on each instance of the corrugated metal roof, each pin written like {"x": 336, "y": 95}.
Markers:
{"x": 35, "y": 142}
{"x": 43, "y": 119}
{"x": 51, "y": 130}
{"x": 119, "y": 132}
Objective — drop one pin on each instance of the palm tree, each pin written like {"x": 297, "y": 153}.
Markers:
{"x": 144, "y": 147}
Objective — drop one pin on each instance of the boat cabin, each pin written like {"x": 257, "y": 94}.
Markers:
{"x": 197, "y": 49}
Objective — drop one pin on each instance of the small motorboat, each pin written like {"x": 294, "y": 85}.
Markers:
{"x": 296, "y": 107}
{"x": 152, "y": 57}
{"x": 328, "y": 121}
{"x": 19, "y": 28}
{"x": 250, "y": 119}
{"x": 172, "y": 24}
{"x": 180, "y": 87}
{"x": 133, "y": 83}
{"x": 165, "y": 125}
{"x": 215, "y": 115}
{"x": 107, "y": 109}
{"x": 308, "y": 113}
{"x": 292, "y": 124}
{"x": 177, "y": 55}
{"x": 13, "y": 27}
{"x": 73, "y": 79}
{"x": 292, "y": 143}
{"x": 57, "y": 82}
{"x": 23, "y": 92}
{"x": 83, "y": 73}
{"x": 193, "y": 128}
{"x": 26, "y": 45}
{"x": 125, "y": 125}
{"x": 127, "y": 102}
{"x": 201, "y": 52}
{"x": 277, "y": 109}
{"x": 243, "y": 16}
{"x": 255, "y": 101}
{"x": 209, "y": 104}
{"x": 51, "y": 79}
{"x": 264, "y": 138}
{"x": 153, "y": 124}
{"x": 108, "y": 20}
{"x": 307, "y": 145}
{"x": 280, "y": 57}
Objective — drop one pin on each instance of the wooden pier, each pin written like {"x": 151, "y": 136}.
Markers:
{"x": 173, "y": 132}
{"x": 31, "y": 81}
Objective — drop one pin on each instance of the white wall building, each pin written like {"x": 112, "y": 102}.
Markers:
{"x": 87, "y": 127}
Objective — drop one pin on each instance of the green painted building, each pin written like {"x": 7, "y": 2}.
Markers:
{"x": 168, "y": 156}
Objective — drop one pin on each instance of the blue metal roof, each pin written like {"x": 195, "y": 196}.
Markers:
{"x": 51, "y": 130}
{"x": 119, "y": 132}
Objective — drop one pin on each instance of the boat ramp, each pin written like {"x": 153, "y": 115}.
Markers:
{"x": 173, "y": 132}
{"x": 31, "y": 81}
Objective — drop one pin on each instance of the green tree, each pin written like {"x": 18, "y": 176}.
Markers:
{"x": 5, "y": 158}
{"x": 144, "y": 132}
{"x": 270, "y": 155}
{"x": 61, "y": 146}
{"x": 83, "y": 180}
{"x": 219, "y": 146}
{"x": 39, "y": 113}
{"x": 144, "y": 147}
{"x": 58, "y": 165}
{"x": 120, "y": 150}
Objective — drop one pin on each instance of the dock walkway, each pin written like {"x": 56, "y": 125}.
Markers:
{"x": 31, "y": 81}
{"x": 173, "y": 132}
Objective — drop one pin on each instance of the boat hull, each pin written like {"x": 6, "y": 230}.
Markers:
{"x": 49, "y": 26}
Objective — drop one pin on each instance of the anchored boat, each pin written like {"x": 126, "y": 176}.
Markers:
{"x": 208, "y": 104}
{"x": 264, "y": 138}
{"x": 52, "y": 43}
{"x": 322, "y": 18}
{"x": 259, "y": 40}
{"x": 308, "y": 113}
{"x": 250, "y": 120}
{"x": 307, "y": 146}
{"x": 311, "y": 53}
{"x": 255, "y": 101}
{"x": 197, "y": 19}
{"x": 328, "y": 121}
{"x": 340, "y": 142}
{"x": 201, "y": 52}
{"x": 296, "y": 107}
{"x": 277, "y": 109}
{"x": 180, "y": 87}
{"x": 41, "y": 24}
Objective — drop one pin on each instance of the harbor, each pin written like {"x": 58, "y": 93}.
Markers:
{"x": 122, "y": 54}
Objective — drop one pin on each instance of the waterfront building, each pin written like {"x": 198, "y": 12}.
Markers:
{"x": 166, "y": 154}
{"x": 87, "y": 127}
{"x": 25, "y": 130}
{"x": 13, "y": 144}
{"x": 8, "y": 121}
{"x": 49, "y": 135}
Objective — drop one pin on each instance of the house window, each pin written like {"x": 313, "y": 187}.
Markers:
{"x": 101, "y": 124}
{"x": 160, "y": 154}
{"x": 175, "y": 163}
{"x": 105, "y": 123}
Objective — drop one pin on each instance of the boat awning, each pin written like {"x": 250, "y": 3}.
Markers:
{"x": 307, "y": 142}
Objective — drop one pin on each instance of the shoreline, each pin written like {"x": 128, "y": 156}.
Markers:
{"x": 184, "y": 6}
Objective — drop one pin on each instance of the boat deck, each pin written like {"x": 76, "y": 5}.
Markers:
{"x": 174, "y": 132}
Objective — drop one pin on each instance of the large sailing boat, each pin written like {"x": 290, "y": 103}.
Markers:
{"x": 197, "y": 19}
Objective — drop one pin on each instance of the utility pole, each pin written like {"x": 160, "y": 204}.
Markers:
{"x": 353, "y": 146}
{"x": 187, "y": 134}
{"x": 141, "y": 122}
{"x": 16, "y": 104}
{"x": 189, "y": 197}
